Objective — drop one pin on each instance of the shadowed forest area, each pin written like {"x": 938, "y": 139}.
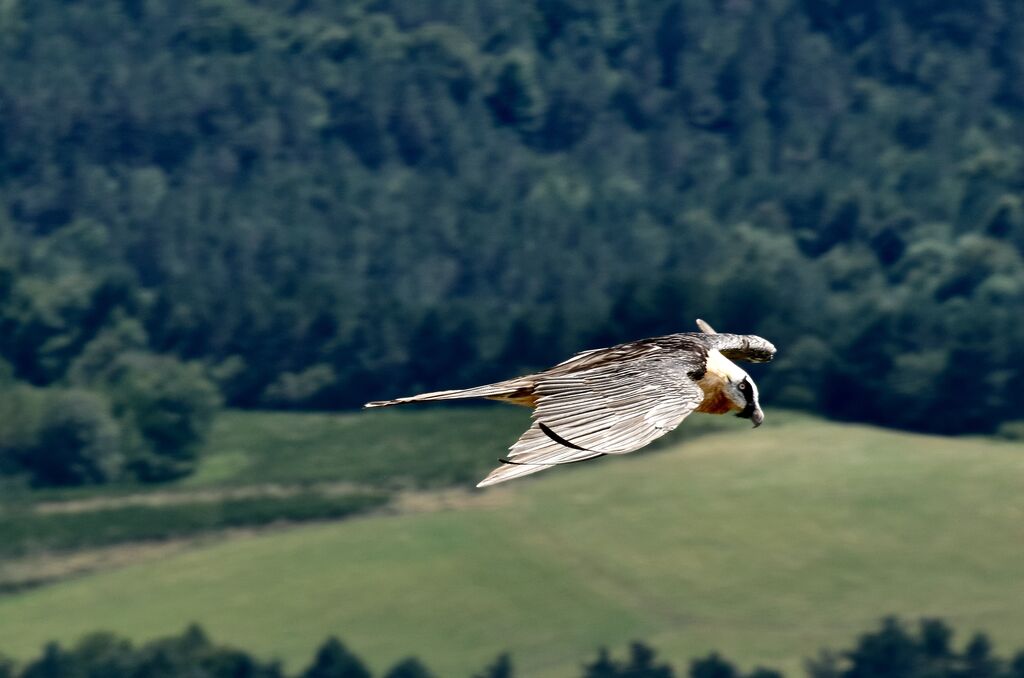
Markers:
{"x": 892, "y": 650}
{"x": 309, "y": 204}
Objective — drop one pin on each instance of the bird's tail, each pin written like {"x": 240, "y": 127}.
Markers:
{"x": 509, "y": 390}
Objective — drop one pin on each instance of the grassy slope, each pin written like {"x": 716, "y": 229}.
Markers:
{"x": 261, "y": 467}
{"x": 423, "y": 446}
{"x": 427, "y": 446}
{"x": 765, "y": 545}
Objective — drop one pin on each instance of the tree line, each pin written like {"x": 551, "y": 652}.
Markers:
{"x": 307, "y": 204}
{"x": 891, "y": 651}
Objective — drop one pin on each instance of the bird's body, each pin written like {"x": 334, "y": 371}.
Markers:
{"x": 618, "y": 399}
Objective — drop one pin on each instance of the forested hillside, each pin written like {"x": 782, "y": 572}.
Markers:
{"x": 310, "y": 204}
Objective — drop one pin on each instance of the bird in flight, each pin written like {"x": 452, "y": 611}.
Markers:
{"x": 618, "y": 399}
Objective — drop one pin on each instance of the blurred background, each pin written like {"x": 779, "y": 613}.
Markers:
{"x": 226, "y": 224}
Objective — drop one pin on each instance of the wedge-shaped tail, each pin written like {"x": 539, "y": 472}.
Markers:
{"x": 502, "y": 390}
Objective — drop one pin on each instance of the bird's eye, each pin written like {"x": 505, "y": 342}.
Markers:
{"x": 744, "y": 386}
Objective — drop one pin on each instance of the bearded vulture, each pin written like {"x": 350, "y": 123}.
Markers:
{"x": 616, "y": 400}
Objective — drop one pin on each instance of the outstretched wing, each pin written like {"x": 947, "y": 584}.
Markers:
{"x": 749, "y": 347}
{"x": 614, "y": 407}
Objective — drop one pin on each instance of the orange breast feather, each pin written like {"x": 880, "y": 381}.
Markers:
{"x": 715, "y": 401}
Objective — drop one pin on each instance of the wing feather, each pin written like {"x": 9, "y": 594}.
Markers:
{"x": 611, "y": 407}
{"x": 749, "y": 347}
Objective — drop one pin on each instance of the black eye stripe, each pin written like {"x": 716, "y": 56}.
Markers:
{"x": 748, "y": 394}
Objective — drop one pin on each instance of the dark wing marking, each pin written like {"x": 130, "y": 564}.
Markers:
{"x": 613, "y": 407}
{"x": 559, "y": 439}
{"x": 749, "y": 347}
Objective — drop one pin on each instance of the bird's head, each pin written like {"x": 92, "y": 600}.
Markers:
{"x": 739, "y": 388}
{"x": 741, "y": 391}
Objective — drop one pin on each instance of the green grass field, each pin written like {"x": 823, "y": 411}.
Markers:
{"x": 765, "y": 545}
{"x": 421, "y": 447}
{"x": 267, "y": 467}
{"x": 425, "y": 446}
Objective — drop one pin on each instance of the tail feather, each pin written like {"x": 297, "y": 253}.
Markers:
{"x": 502, "y": 388}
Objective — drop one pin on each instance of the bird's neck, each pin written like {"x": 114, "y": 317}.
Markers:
{"x": 718, "y": 371}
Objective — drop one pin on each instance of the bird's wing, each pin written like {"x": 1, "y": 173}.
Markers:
{"x": 611, "y": 408}
{"x": 749, "y": 347}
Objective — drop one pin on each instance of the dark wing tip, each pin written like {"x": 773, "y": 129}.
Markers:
{"x": 752, "y": 355}
{"x": 762, "y": 348}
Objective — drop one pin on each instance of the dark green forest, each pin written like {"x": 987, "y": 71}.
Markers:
{"x": 891, "y": 651}
{"x": 311, "y": 204}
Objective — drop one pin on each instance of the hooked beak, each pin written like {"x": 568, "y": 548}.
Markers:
{"x": 757, "y": 416}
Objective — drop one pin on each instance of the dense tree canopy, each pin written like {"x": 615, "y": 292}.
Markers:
{"x": 891, "y": 651}
{"x": 320, "y": 203}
